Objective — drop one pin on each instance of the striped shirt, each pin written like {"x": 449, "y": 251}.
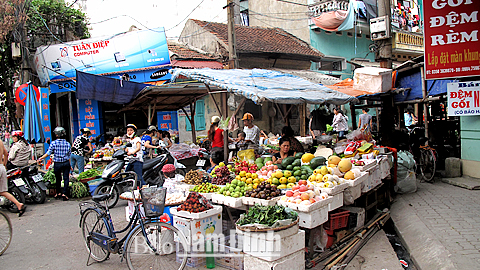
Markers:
{"x": 60, "y": 149}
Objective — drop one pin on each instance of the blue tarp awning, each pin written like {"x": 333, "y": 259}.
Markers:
{"x": 261, "y": 85}
{"x": 414, "y": 81}
{"x": 90, "y": 86}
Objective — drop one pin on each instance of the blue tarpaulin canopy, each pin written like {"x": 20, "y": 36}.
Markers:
{"x": 261, "y": 85}
{"x": 414, "y": 82}
{"x": 32, "y": 125}
{"x": 106, "y": 89}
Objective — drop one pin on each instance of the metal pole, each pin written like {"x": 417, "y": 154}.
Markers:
{"x": 425, "y": 100}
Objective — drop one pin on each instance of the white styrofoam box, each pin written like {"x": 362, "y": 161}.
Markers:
{"x": 253, "y": 201}
{"x": 269, "y": 235}
{"x": 360, "y": 215}
{"x": 356, "y": 191}
{"x": 337, "y": 202}
{"x": 306, "y": 208}
{"x": 314, "y": 218}
{"x": 295, "y": 261}
{"x": 184, "y": 187}
{"x": 372, "y": 79}
{"x": 198, "y": 229}
{"x": 357, "y": 181}
{"x": 369, "y": 163}
{"x": 373, "y": 179}
{"x": 336, "y": 189}
{"x": 210, "y": 212}
{"x": 271, "y": 250}
{"x": 207, "y": 196}
{"x": 195, "y": 259}
{"x": 384, "y": 166}
{"x": 226, "y": 200}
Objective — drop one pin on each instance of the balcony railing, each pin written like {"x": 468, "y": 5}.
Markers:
{"x": 318, "y": 8}
{"x": 408, "y": 41}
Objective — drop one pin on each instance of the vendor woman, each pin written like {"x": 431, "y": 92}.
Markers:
{"x": 284, "y": 151}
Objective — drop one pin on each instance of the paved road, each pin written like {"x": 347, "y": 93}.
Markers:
{"x": 452, "y": 214}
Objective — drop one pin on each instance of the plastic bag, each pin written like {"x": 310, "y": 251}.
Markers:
{"x": 355, "y": 135}
{"x": 408, "y": 184}
{"x": 247, "y": 155}
{"x": 348, "y": 197}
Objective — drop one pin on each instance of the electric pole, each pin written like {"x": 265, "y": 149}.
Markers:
{"x": 232, "y": 43}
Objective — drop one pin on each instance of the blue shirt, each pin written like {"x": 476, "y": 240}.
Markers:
{"x": 60, "y": 149}
{"x": 408, "y": 119}
{"x": 146, "y": 138}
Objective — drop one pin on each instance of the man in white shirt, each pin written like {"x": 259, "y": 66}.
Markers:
{"x": 252, "y": 132}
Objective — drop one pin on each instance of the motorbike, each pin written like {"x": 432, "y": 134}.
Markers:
{"x": 114, "y": 182}
{"x": 30, "y": 182}
{"x": 16, "y": 187}
{"x": 203, "y": 161}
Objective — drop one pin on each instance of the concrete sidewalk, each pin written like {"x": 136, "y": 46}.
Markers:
{"x": 440, "y": 225}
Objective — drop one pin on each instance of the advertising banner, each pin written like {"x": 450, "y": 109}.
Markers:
{"x": 129, "y": 51}
{"x": 451, "y": 38}
{"x": 89, "y": 115}
{"x": 45, "y": 107}
{"x": 463, "y": 98}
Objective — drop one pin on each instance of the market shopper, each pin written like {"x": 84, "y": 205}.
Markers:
{"x": 295, "y": 144}
{"x": 61, "y": 150}
{"x": 81, "y": 147}
{"x": 134, "y": 153}
{"x": 284, "y": 152}
{"x": 252, "y": 132}
{"x": 166, "y": 139}
{"x": 339, "y": 124}
{"x": 317, "y": 123}
{"x": 365, "y": 120}
{"x": 171, "y": 178}
{"x": 4, "y": 182}
{"x": 147, "y": 141}
{"x": 410, "y": 118}
{"x": 20, "y": 151}
{"x": 215, "y": 135}
{"x": 215, "y": 159}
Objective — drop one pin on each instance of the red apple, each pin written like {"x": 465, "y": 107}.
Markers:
{"x": 289, "y": 193}
{"x": 295, "y": 187}
{"x": 302, "y": 182}
{"x": 296, "y": 194}
{"x": 312, "y": 200}
{"x": 303, "y": 188}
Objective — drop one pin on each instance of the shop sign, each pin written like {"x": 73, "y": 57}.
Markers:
{"x": 451, "y": 38}
{"x": 46, "y": 123}
{"x": 463, "y": 98}
{"x": 128, "y": 51}
{"x": 89, "y": 115}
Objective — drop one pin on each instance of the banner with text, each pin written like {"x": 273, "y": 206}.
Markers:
{"x": 452, "y": 48}
{"x": 463, "y": 98}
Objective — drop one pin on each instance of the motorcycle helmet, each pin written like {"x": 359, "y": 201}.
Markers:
{"x": 152, "y": 128}
{"x": 17, "y": 133}
{"x": 132, "y": 126}
{"x": 59, "y": 131}
{"x": 85, "y": 131}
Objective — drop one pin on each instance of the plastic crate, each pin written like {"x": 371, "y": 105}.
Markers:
{"x": 337, "y": 220}
{"x": 153, "y": 199}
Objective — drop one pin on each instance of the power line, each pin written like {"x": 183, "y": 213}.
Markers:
{"x": 186, "y": 16}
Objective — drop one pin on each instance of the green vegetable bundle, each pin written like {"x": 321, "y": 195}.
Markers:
{"x": 50, "y": 176}
{"x": 79, "y": 190}
{"x": 88, "y": 174}
{"x": 267, "y": 215}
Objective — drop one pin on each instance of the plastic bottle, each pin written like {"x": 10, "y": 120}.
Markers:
{"x": 209, "y": 251}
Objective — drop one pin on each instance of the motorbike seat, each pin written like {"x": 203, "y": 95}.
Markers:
{"x": 100, "y": 197}
{"x": 148, "y": 164}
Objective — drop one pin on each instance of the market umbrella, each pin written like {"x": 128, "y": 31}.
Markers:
{"x": 32, "y": 124}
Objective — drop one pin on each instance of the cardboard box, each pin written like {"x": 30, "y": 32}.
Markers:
{"x": 197, "y": 229}
{"x": 295, "y": 261}
{"x": 230, "y": 255}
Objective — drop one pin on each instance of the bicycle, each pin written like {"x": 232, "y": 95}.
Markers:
{"x": 148, "y": 243}
{"x": 5, "y": 232}
{"x": 425, "y": 157}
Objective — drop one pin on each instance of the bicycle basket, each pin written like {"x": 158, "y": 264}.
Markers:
{"x": 153, "y": 199}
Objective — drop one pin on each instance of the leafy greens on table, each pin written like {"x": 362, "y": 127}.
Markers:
{"x": 267, "y": 215}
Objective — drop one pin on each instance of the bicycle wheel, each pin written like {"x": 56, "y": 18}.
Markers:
{"x": 89, "y": 223}
{"x": 428, "y": 164}
{"x": 5, "y": 232}
{"x": 161, "y": 236}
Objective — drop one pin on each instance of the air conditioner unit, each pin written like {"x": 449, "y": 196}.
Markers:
{"x": 380, "y": 28}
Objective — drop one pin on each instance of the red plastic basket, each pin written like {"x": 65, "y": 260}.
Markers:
{"x": 337, "y": 220}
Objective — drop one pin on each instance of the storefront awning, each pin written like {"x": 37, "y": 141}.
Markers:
{"x": 106, "y": 89}
{"x": 262, "y": 85}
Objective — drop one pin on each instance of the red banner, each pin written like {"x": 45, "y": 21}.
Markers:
{"x": 452, "y": 46}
